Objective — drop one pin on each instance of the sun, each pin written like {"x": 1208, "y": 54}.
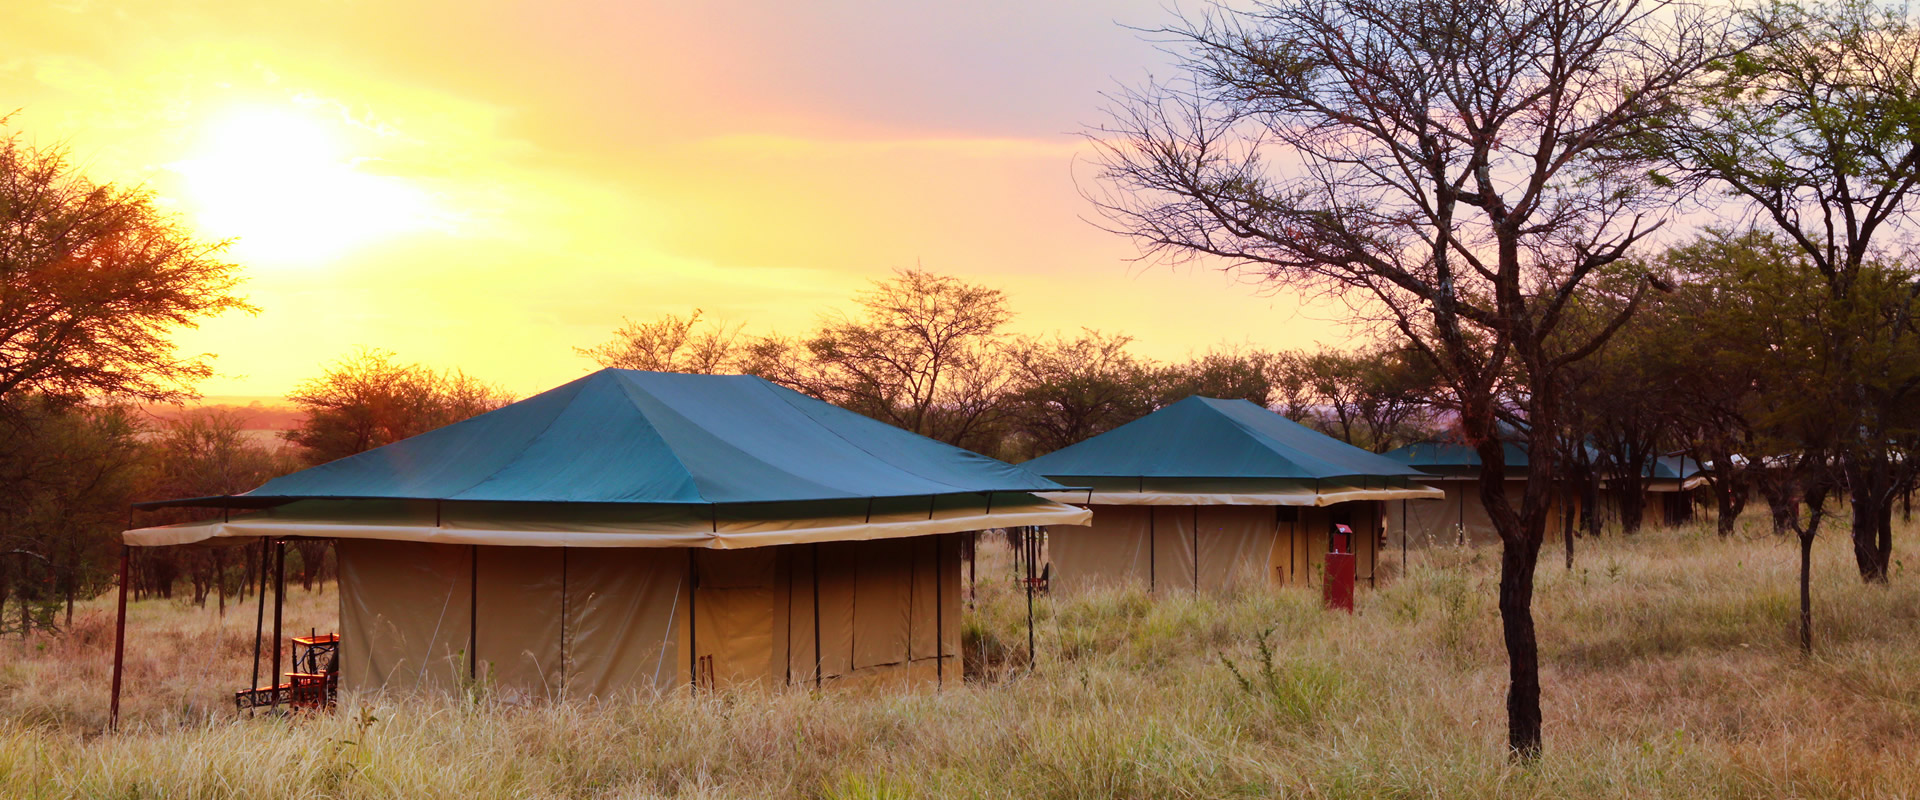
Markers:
{"x": 285, "y": 186}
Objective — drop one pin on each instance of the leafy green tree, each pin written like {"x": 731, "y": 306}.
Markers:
{"x": 1376, "y": 399}
{"x": 1818, "y": 129}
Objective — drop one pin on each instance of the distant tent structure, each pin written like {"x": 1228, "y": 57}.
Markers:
{"x": 641, "y": 530}
{"x": 1461, "y": 518}
{"x": 1671, "y": 481}
{"x": 1213, "y": 494}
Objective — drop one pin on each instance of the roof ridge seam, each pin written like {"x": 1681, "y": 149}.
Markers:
{"x": 767, "y": 385}
{"x": 628, "y": 390}
{"x": 582, "y": 384}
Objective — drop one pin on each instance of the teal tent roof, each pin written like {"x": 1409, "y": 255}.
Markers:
{"x": 1201, "y": 437}
{"x": 1442, "y": 453}
{"x": 624, "y": 436}
{"x": 1449, "y": 453}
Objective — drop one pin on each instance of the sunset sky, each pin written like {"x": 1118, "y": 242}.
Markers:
{"x": 487, "y": 185}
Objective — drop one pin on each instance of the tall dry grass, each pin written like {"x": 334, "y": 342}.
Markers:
{"x": 1670, "y": 669}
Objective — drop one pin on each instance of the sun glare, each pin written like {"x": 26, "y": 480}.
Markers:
{"x": 283, "y": 184}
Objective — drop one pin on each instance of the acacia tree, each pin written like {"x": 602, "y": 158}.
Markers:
{"x": 923, "y": 355}
{"x": 368, "y": 399}
{"x": 1458, "y": 163}
{"x": 1226, "y": 373}
{"x": 1372, "y": 399}
{"x": 93, "y": 278}
{"x": 671, "y": 344}
{"x": 1819, "y": 132}
{"x": 1068, "y": 390}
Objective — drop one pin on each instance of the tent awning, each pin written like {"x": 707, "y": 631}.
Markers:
{"x": 1303, "y": 496}
{"x": 602, "y": 526}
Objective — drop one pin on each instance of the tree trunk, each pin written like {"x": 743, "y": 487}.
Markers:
{"x": 1872, "y": 524}
{"x": 1782, "y": 505}
{"x": 1806, "y": 590}
{"x": 1590, "y": 502}
{"x": 1566, "y": 524}
{"x": 1517, "y": 562}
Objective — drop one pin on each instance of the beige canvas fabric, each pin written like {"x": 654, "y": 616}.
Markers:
{"x": 1234, "y": 545}
{"x": 1113, "y": 550}
{"x": 626, "y": 617}
{"x": 1155, "y": 546}
{"x": 520, "y": 592}
{"x": 404, "y": 615}
{"x": 555, "y": 622}
{"x": 1460, "y": 518}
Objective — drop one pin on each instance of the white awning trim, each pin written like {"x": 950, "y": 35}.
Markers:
{"x": 1305, "y": 497}
{"x": 686, "y": 531}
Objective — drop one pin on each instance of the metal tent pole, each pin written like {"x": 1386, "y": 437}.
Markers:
{"x": 279, "y": 603}
{"x": 819, "y": 673}
{"x": 940, "y": 612}
{"x": 1030, "y": 658}
{"x": 473, "y": 613}
{"x": 260, "y": 617}
{"x": 119, "y": 644}
{"x": 693, "y": 626}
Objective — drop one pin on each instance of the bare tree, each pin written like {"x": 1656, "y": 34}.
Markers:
{"x": 1463, "y": 165}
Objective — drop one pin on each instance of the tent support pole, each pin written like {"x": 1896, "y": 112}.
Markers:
{"x": 260, "y": 616}
{"x": 119, "y": 639}
{"x": 1196, "y": 551}
{"x": 473, "y": 612}
{"x": 566, "y": 611}
{"x": 1153, "y": 552}
{"x": 693, "y": 627}
{"x": 1030, "y": 659}
{"x": 279, "y": 608}
{"x": 819, "y": 674}
{"x": 1403, "y": 535}
{"x": 940, "y": 609}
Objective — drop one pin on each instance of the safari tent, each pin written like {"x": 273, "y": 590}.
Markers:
{"x": 637, "y": 530}
{"x": 1212, "y": 494}
{"x": 1461, "y": 517}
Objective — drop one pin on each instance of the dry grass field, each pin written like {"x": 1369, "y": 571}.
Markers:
{"x": 1669, "y": 664}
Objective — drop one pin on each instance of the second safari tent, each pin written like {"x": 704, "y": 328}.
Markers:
{"x": 1210, "y": 494}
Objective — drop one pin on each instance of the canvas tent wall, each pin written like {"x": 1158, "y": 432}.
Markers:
{"x": 550, "y": 623}
{"x": 1461, "y": 517}
{"x": 1210, "y": 494}
{"x": 634, "y": 530}
{"x": 1209, "y": 548}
